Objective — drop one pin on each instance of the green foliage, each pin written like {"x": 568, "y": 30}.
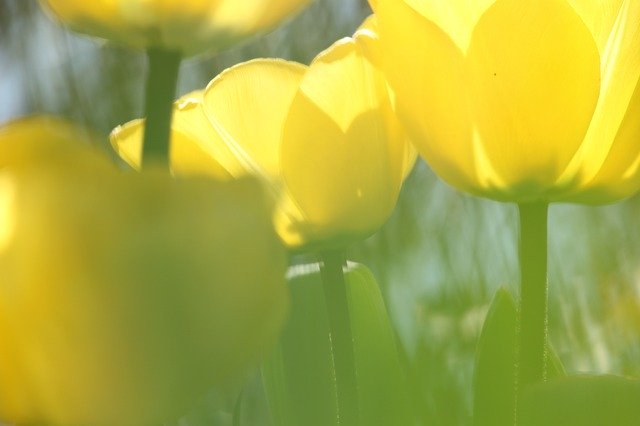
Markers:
{"x": 582, "y": 401}
{"x": 299, "y": 377}
{"x": 495, "y": 381}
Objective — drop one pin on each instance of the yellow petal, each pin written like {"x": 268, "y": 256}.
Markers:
{"x": 367, "y": 36}
{"x": 619, "y": 176}
{"x": 534, "y": 83}
{"x": 246, "y": 106}
{"x": 427, "y": 73}
{"x": 195, "y": 146}
{"x": 343, "y": 151}
{"x": 620, "y": 69}
{"x": 127, "y": 142}
{"x": 271, "y": 11}
{"x": 370, "y": 23}
{"x": 44, "y": 141}
{"x": 198, "y": 142}
{"x": 190, "y": 26}
{"x": 100, "y": 18}
{"x": 456, "y": 18}
{"x": 599, "y": 16}
{"x": 187, "y": 26}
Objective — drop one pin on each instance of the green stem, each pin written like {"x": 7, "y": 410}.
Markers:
{"x": 162, "y": 80}
{"x": 533, "y": 291}
{"x": 335, "y": 293}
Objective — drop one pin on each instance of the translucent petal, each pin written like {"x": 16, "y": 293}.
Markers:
{"x": 620, "y": 68}
{"x": 367, "y": 36}
{"x": 192, "y": 126}
{"x": 181, "y": 25}
{"x": 195, "y": 147}
{"x": 599, "y": 16}
{"x": 89, "y": 12}
{"x": 619, "y": 176}
{"x": 127, "y": 142}
{"x": 534, "y": 76}
{"x": 273, "y": 11}
{"x": 427, "y": 73}
{"x": 342, "y": 152}
{"x": 246, "y": 105}
{"x": 100, "y": 18}
{"x": 457, "y": 18}
{"x": 190, "y": 26}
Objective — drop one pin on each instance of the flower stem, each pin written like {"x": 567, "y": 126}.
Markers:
{"x": 162, "y": 79}
{"x": 335, "y": 293}
{"x": 531, "y": 365}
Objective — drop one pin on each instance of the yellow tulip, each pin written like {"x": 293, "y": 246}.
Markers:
{"x": 520, "y": 100}
{"x": 188, "y": 26}
{"x": 323, "y": 136}
{"x": 125, "y": 297}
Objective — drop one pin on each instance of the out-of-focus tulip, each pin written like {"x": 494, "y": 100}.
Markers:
{"x": 520, "y": 100}
{"x": 125, "y": 297}
{"x": 48, "y": 142}
{"x": 188, "y": 26}
{"x": 324, "y": 137}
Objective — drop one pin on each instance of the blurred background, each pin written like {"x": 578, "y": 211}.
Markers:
{"x": 439, "y": 259}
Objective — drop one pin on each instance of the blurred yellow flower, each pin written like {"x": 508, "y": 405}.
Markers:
{"x": 188, "y": 26}
{"x": 520, "y": 100}
{"x": 324, "y": 137}
{"x": 125, "y": 297}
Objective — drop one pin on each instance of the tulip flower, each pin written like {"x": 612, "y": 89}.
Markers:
{"x": 187, "y": 26}
{"x": 125, "y": 297}
{"x": 530, "y": 101}
{"x": 324, "y": 138}
{"x": 526, "y": 101}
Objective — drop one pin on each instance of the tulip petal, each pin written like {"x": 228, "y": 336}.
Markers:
{"x": 619, "y": 176}
{"x": 427, "y": 73}
{"x": 178, "y": 25}
{"x": 273, "y": 11}
{"x": 246, "y": 105}
{"x": 187, "y": 26}
{"x": 100, "y": 18}
{"x": 533, "y": 92}
{"x": 43, "y": 141}
{"x": 599, "y": 16}
{"x": 240, "y": 18}
{"x": 343, "y": 153}
{"x": 620, "y": 68}
{"x": 456, "y": 18}
{"x": 367, "y": 36}
{"x": 195, "y": 147}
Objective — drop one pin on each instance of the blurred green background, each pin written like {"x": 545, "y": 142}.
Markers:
{"x": 440, "y": 257}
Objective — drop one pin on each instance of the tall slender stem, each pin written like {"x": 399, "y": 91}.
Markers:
{"x": 162, "y": 80}
{"x": 335, "y": 293}
{"x": 533, "y": 303}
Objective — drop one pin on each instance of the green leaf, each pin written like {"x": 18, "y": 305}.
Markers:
{"x": 494, "y": 381}
{"x": 494, "y": 393}
{"x": 582, "y": 401}
{"x": 299, "y": 376}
